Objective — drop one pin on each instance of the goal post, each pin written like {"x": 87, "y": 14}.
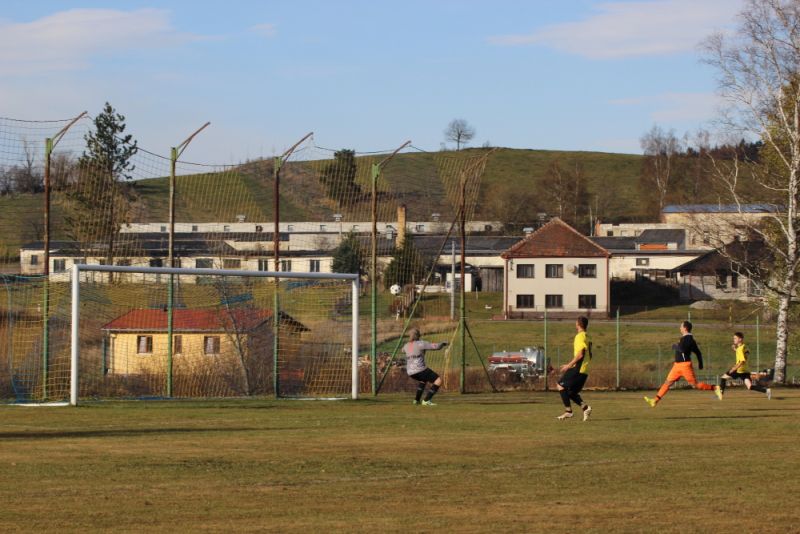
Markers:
{"x": 220, "y": 330}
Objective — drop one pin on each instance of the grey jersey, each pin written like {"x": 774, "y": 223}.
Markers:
{"x": 415, "y": 355}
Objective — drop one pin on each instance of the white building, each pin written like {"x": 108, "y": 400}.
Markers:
{"x": 556, "y": 269}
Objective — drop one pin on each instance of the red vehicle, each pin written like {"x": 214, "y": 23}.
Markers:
{"x": 517, "y": 366}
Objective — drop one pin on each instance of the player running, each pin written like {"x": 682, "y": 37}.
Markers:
{"x": 683, "y": 365}
{"x": 576, "y": 372}
{"x": 416, "y": 368}
{"x": 740, "y": 370}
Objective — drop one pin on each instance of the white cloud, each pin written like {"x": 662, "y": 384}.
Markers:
{"x": 624, "y": 29}
{"x": 266, "y": 30}
{"x": 68, "y": 40}
{"x": 675, "y": 107}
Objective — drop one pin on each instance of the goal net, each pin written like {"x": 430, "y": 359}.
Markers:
{"x": 120, "y": 332}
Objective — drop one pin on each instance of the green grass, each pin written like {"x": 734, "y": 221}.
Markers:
{"x": 475, "y": 463}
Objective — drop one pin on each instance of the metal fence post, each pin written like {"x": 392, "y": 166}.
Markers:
{"x": 618, "y": 368}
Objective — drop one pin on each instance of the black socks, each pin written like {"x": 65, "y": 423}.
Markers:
{"x": 432, "y": 392}
{"x": 420, "y": 390}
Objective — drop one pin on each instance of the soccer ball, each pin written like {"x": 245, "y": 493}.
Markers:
{"x": 395, "y": 289}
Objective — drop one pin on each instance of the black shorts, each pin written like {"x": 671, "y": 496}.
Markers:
{"x": 428, "y": 375}
{"x": 572, "y": 380}
{"x": 738, "y": 376}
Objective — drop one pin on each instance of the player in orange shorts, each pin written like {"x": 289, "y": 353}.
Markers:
{"x": 682, "y": 368}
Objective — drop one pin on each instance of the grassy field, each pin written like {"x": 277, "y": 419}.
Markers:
{"x": 475, "y": 463}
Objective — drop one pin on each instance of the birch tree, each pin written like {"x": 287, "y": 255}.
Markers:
{"x": 757, "y": 67}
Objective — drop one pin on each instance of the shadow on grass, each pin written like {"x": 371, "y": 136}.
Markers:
{"x": 127, "y": 432}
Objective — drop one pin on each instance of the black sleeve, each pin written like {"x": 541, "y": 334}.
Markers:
{"x": 696, "y": 350}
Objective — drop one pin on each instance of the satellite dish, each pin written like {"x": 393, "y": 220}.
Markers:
{"x": 572, "y": 269}
{"x": 395, "y": 289}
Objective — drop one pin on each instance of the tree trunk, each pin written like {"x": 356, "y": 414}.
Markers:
{"x": 782, "y": 338}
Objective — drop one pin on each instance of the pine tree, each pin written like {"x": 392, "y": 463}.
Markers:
{"x": 348, "y": 257}
{"x": 339, "y": 178}
{"x": 407, "y": 266}
{"x": 99, "y": 204}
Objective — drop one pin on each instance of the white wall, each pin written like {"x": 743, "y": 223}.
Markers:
{"x": 412, "y": 227}
{"x": 570, "y": 286}
{"x": 622, "y": 265}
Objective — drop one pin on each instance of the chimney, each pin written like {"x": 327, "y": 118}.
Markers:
{"x": 401, "y": 225}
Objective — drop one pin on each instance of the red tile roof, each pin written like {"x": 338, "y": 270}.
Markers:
{"x": 556, "y": 239}
{"x": 202, "y": 320}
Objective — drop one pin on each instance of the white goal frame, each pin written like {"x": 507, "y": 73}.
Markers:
{"x": 77, "y": 269}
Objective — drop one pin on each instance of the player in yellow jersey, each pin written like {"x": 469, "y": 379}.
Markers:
{"x": 740, "y": 369}
{"x": 576, "y": 372}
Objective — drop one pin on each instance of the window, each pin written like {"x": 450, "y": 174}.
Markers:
{"x": 226, "y": 228}
{"x": 230, "y": 263}
{"x": 355, "y": 228}
{"x": 554, "y": 301}
{"x": 144, "y": 344}
{"x": 211, "y": 344}
{"x": 642, "y": 262}
{"x": 156, "y": 262}
{"x": 706, "y": 238}
{"x": 587, "y": 301}
{"x": 587, "y": 270}
{"x": 194, "y": 228}
{"x": 259, "y": 228}
{"x": 525, "y": 302}
{"x": 124, "y": 262}
{"x": 419, "y": 228}
{"x": 722, "y": 279}
{"x": 290, "y": 228}
{"x": 59, "y": 266}
{"x": 322, "y": 227}
{"x": 102, "y": 262}
{"x": 313, "y": 266}
{"x": 263, "y": 265}
{"x": 177, "y": 344}
{"x": 525, "y": 271}
{"x": 176, "y": 262}
{"x": 163, "y": 229}
{"x": 204, "y": 263}
{"x": 34, "y": 259}
{"x": 734, "y": 281}
{"x": 286, "y": 266}
{"x": 609, "y": 233}
{"x": 554, "y": 270}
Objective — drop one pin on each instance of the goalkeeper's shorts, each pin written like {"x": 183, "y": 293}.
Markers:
{"x": 428, "y": 375}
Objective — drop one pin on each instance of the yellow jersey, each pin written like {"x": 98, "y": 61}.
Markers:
{"x": 582, "y": 344}
{"x": 741, "y": 356}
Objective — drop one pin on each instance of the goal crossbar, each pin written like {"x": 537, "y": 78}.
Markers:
{"x": 76, "y": 300}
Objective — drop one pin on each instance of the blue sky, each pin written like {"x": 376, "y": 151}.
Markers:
{"x": 368, "y": 75}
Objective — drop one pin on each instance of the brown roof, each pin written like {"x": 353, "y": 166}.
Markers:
{"x": 556, "y": 239}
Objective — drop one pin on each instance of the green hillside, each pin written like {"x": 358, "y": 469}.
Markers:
{"x": 512, "y": 179}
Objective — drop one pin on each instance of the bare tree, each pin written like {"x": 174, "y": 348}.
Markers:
{"x": 565, "y": 191}
{"x": 758, "y": 68}
{"x": 661, "y": 149}
{"x": 460, "y": 132}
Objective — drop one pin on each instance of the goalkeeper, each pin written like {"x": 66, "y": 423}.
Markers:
{"x": 416, "y": 368}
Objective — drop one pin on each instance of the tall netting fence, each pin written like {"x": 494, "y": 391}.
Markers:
{"x": 227, "y": 338}
{"x": 310, "y": 210}
{"x": 628, "y": 355}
